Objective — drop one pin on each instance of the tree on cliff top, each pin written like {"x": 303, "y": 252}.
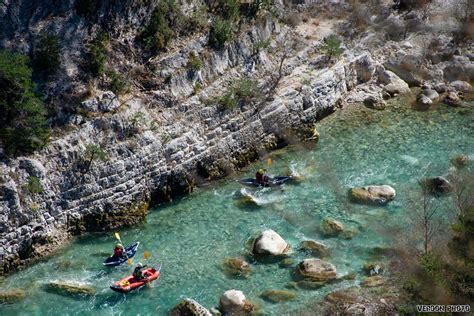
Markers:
{"x": 23, "y": 125}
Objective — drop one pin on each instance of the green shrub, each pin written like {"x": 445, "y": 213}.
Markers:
{"x": 222, "y": 31}
{"x": 165, "y": 21}
{"x": 46, "y": 54}
{"x": 332, "y": 47}
{"x": 228, "y": 10}
{"x": 23, "y": 125}
{"x": 197, "y": 87}
{"x": 118, "y": 83}
{"x": 433, "y": 266}
{"x": 258, "y": 5}
{"x": 168, "y": 78}
{"x": 227, "y": 101}
{"x": 138, "y": 119}
{"x": 305, "y": 81}
{"x": 98, "y": 53}
{"x": 93, "y": 152}
{"x": 198, "y": 20}
{"x": 34, "y": 185}
{"x": 241, "y": 90}
{"x": 260, "y": 45}
{"x": 245, "y": 89}
{"x": 195, "y": 63}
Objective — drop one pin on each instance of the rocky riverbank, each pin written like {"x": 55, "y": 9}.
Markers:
{"x": 106, "y": 165}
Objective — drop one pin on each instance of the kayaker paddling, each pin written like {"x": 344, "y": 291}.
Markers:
{"x": 118, "y": 251}
{"x": 138, "y": 272}
{"x": 261, "y": 177}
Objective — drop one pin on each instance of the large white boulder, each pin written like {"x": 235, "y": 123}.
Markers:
{"x": 234, "y": 302}
{"x": 270, "y": 243}
{"x": 373, "y": 194}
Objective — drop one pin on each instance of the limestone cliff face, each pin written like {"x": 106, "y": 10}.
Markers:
{"x": 201, "y": 142}
{"x": 158, "y": 142}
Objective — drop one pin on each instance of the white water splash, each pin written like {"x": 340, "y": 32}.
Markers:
{"x": 260, "y": 197}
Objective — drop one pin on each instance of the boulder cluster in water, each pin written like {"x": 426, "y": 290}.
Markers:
{"x": 310, "y": 273}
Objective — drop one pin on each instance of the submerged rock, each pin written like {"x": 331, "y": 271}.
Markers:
{"x": 245, "y": 200}
{"x": 460, "y": 161}
{"x": 309, "y": 284}
{"x": 341, "y": 296}
{"x": 278, "y": 296}
{"x": 234, "y": 302}
{"x": 189, "y": 307}
{"x": 349, "y": 233}
{"x": 373, "y": 194}
{"x": 317, "y": 270}
{"x": 423, "y": 100}
{"x": 286, "y": 263}
{"x": 331, "y": 227}
{"x": 349, "y": 276}
{"x": 315, "y": 248}
{"x": 70, "y": 288}
{"x": 431, "y": 94}
{"x": 373, "y": 281}
{"x": 12, "y": 295}
{"x": 270, "y": 243}
{"x": 452, "y": 99}
{"x": 237, "y": 267}
{"x": 441, "y": 184}
{"x": 374, "y": 102}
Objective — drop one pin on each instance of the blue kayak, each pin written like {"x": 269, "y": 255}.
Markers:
{"x": 272, "y": 182}
{"x": 114, "y": 261}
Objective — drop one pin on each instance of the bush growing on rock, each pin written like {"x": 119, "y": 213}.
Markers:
{"x": 163, "y": 25}
{"x": 228, "y": 10}
{"x": 92, "y": 153}
{"x": 118, "y": 82}
{"x": 332, "y": 47}
{"x": 97, "y": 56}
{"x": 34, "y": 185}
{"x": 23, "y": 126}
{"x": 46, "y": 54}
{"x": 195, "y": 63}
{"x": 222, "y": 31}
{"x": 240, "y": 91}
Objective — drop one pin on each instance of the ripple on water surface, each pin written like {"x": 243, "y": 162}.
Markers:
{"x": 193, "y": 236}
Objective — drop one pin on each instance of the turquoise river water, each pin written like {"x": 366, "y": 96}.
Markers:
{"x": 192, "y": 236}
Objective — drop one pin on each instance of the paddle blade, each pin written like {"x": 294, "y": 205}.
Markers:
{"x": 146, "y": 255}
{"x": 129, "y": 261}
{"x": 117, "y": 236}
{"x": 269, "y": 162}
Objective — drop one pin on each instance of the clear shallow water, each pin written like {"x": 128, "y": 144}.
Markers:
{"x": 192, "y": 237}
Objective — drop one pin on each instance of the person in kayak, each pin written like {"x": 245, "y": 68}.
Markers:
{"x": 138, "y": 272}
{"x": 118, "y": 250}
{"x": 260, "y": 176}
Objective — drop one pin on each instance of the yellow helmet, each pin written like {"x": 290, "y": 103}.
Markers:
{"x": 260, "y": 171}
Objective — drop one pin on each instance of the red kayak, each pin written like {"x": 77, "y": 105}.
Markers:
{"x": 129, "y": 283}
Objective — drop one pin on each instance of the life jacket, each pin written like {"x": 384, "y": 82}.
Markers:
{"x": 259, "y": 177}
{"x": 118, "y": 252}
